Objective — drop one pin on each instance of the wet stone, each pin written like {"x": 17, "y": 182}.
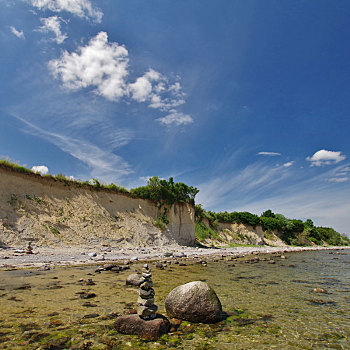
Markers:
{"x": 147, "y": 310}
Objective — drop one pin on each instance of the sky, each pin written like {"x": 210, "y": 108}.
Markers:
{"x": 246, "y": 100}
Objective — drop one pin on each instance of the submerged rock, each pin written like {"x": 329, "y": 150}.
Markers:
{"x": 148, "y": 329}
{"x": 194, "y": 302}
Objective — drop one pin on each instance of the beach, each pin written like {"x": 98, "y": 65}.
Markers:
{"x": 15, "y": 257}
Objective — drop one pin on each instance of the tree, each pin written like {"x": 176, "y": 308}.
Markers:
{"x": 268, "y": 214}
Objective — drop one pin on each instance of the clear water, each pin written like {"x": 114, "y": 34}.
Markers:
{"x": 302, "y": 302}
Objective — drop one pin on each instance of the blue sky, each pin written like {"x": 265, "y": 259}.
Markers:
{"x": 247, "y": 100}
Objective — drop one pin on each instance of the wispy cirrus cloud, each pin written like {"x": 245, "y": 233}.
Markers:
{"x": 269, "y": 154}
{"x": 241, "y": 186}
{"x": 102, "y": 161}
{"x": 79, "y": 8}
{"x": 325, "y": 205}
{"x": 340, "y": 174}
{"x": 288, "y": 164}
{"x": 293, "y": 192}
{"x": 18, "y": 33}
{"x": 53, "y": 24}
{"x": 324, "y": 157}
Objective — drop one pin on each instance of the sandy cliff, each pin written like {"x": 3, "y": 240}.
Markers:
{"x": 50, "y": 213}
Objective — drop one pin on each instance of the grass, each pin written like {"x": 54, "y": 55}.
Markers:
{"x": 64, "y": 179}
{"x": 204, "y": 232}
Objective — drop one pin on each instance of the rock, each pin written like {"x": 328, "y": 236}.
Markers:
{"x": 146, "y": 294}
{"x": 167, "y": 254}
{"x": 99, "y": 258}
{"x": 135, "y": 279}
{"x": 147, "y": 311}
{"x": 179, "y": 255}
{"x": 91, "y": 316}
{"x": 85, "y": 295}
{"x": 194, "y": 302}
{"x": 175, "y": 324}
{"x": 159, "y": 265}
{"x": 319, "y": 290}
{"x": 145, "y": 302}
{"x": 148, "y": 329}
{"x": 109, "y": 267}
{"x": 92, "y": 255}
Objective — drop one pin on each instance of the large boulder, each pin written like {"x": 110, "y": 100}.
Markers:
{"x": 148, "y": 329}
{"x": 194, "y": 302}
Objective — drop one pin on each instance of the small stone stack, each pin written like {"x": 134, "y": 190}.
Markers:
{"x": 147, "y": 310}
{"x": 29, "y": 248}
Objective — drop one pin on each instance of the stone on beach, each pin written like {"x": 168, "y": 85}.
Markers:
{"x": 194, "y": 302}
{"x": 149, "y": 329}
{"x": 135, "y": 279}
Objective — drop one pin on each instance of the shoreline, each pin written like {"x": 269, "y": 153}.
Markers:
{"x": 12, "y": 258}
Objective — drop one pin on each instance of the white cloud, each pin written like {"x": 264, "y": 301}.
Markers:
{"x": 52, "y": 24}
{"x": 19, "y": 33}
{"x": 269, "y": 154}
{"x": 104, "y": 66}
{"x": 42, "y": 169}
{"x": 288, "y": 164}
{"x": 79, "y": 8}
{"x": 141, "y": 90}
{"x": 99, "y": 64}
{"x": 338, "y": 179}
{"x": 176, "y": 118}
{"x": 324, "y": 157}
{"x": 155, "y": 88}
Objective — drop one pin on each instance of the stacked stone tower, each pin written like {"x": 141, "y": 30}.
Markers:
{"x": 147, "y": 310}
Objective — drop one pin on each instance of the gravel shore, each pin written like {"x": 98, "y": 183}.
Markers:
{"x": 62, "y": 256}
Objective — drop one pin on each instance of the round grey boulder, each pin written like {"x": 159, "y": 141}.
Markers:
{"x": 194, "y": 302}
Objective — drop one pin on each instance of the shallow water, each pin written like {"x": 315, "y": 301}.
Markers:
{"x": 273, "y": 306}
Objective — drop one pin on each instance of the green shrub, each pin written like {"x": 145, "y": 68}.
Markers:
{"x": 270, "y": 223}
{"x": 166, "y": 192}
{"x": 238, "y": 217}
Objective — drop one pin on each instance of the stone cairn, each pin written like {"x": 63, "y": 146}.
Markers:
{"x": 147, "y": 310}
{"x": 29, "y": 248}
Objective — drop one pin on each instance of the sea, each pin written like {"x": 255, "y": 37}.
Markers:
{"x": 299, "y": 300}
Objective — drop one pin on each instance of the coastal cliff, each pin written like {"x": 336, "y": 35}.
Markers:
{"x": 50, "y": 212}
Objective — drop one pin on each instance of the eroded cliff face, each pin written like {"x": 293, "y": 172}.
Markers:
{"x": 233, "y": 233}
{"x": 49, "y": 213}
